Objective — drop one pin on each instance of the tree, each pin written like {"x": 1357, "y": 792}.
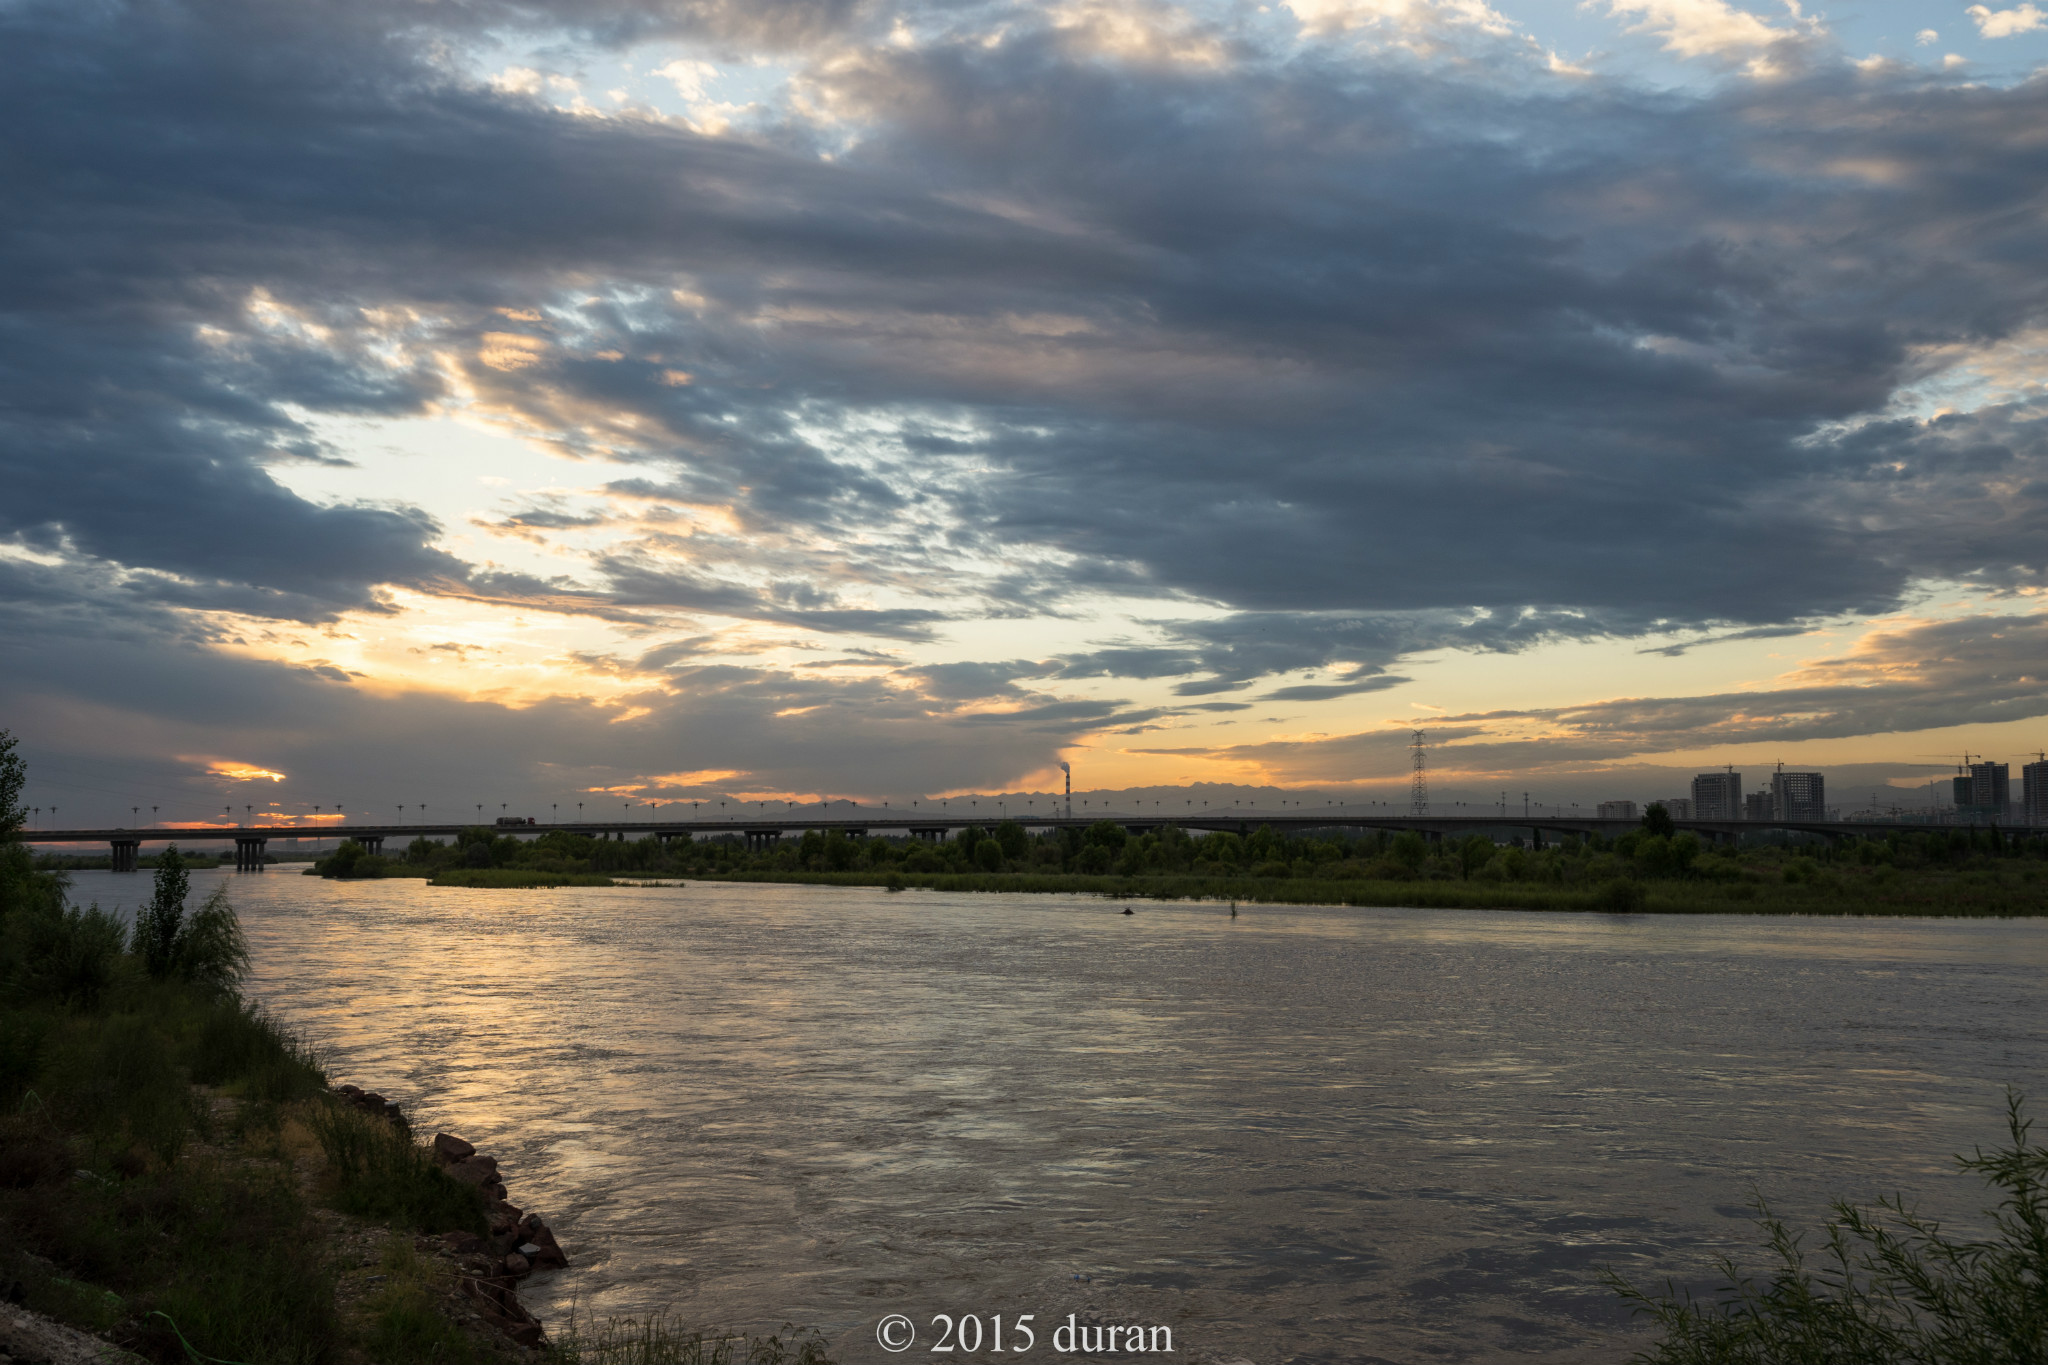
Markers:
{"x": 13, "y": 777}
{"x": 1107, "y": 834}
{"x": 1657, "y": 820}
{"x": 1409, "y": 849}
{"x": 988, "y": 854}
{"x": 1010, "y": 835}
{"x": 158, "y": 923}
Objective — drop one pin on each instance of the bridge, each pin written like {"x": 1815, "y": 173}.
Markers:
{"x": 763, "y": 830}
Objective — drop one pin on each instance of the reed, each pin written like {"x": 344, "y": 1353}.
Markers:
{"x": 658, "y": 1340}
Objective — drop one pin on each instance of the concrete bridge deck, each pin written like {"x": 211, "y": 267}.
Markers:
{"x": 249, "y": 840}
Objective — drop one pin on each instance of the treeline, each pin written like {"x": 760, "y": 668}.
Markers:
{"x": 1984, "y": 871}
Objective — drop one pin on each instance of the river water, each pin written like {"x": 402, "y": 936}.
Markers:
{"x": 1308, "y": 1134}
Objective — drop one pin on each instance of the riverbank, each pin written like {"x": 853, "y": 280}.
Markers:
{"x": 1955, "y": 872}
{"x": 1956, "y": 894}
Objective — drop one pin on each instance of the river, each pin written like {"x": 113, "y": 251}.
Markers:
{"x": 1306, "y": 1134}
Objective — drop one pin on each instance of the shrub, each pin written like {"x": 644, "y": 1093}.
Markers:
{"x": 209, "y": 950}
{"x": 50, "y": 951}
{"x": 1890, "y": 1288}
{"x": 1273, "y": 869}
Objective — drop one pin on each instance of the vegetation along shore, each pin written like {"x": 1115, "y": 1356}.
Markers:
{"x": 1653, "y": 869}
{"x": 180, "y": 1184}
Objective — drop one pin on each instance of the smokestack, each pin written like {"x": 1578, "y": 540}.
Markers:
{"x": 1069, "y": 771}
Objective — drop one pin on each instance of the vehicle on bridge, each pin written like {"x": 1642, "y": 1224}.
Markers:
{"x": 515, "y": 821}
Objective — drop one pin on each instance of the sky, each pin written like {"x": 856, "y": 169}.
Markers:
{"x": 416, "y": 405}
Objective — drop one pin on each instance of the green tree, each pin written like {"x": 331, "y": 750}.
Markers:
{"x": 988, "y": 855}
{"x": 1409, "y": 849}
{"x": 1014, "y": 841}
{"x": 1474, "y": 852}
{"x": 13, "y": 777}
{"x": 1107, "y": 835}
{"x": 159, "y": 922}
{"x": 1657, "y": 820}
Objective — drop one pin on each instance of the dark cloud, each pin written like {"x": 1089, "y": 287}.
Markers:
{"x": 1366, "y": 357}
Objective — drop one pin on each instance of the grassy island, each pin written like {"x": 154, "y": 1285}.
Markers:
{"x": 1653, "y": 869}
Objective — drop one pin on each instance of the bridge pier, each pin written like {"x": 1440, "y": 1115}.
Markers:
{"x": 125, "y": 854}
{"x": 249, "y": 853}
{"x": 762, "y": 839}
{"x": 372, "y": 843}
{"x": 930, "y": 834}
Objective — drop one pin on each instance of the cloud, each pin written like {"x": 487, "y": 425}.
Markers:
{"x": 1254, "y": 366}
{"x": 1702, "y": 28}
{"x": 2006, "y": 23}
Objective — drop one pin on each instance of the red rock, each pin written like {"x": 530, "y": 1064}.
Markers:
{"x": 502, "y": 1217}
{"x": 451, "y": 1149}
{"x": 526, "y": 1333}
{"x": 515, "y": 1264}
{"x": 474, "y": 1172}
{"x": 548, "y": 1256}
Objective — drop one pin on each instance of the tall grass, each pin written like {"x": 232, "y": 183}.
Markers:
{"x": 381, "y": 1173}
{"x": 229, "y": 1254}
{"x": 657, "y": 1340}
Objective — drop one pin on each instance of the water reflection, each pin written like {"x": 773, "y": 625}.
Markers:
{"x": 1307, "y": 1134}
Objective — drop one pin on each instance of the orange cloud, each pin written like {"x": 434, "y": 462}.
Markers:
{"x": 242, "y": 772}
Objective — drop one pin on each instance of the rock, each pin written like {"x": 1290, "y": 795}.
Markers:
{"x": 452, "y": 1149}
{"x": 350, "y": 1090}
{"x": 391, "y": 1110}
{"x": 548, "y": 1256}
{"x": 369, "y": 1099}
{"x": 502, "y": 1217}
{"x": 515, "y": 1264}
{"x": 463, "y": 1243}
{"x": 526, "y": 1333}
{"x": 474, "y": 1172}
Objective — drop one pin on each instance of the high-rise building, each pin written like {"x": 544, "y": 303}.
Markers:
{"x": 1677, "y": 807}
{"x": 1991, "y": 785}
{"x": 1983, "y": 792}
{"x": 1758, "y": 805}
{"x": 1617, "y": 810}
{"x": 1798, "y": 796}
{"x": 1717, "y": 796}
{"x": 2034, "y": 791}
